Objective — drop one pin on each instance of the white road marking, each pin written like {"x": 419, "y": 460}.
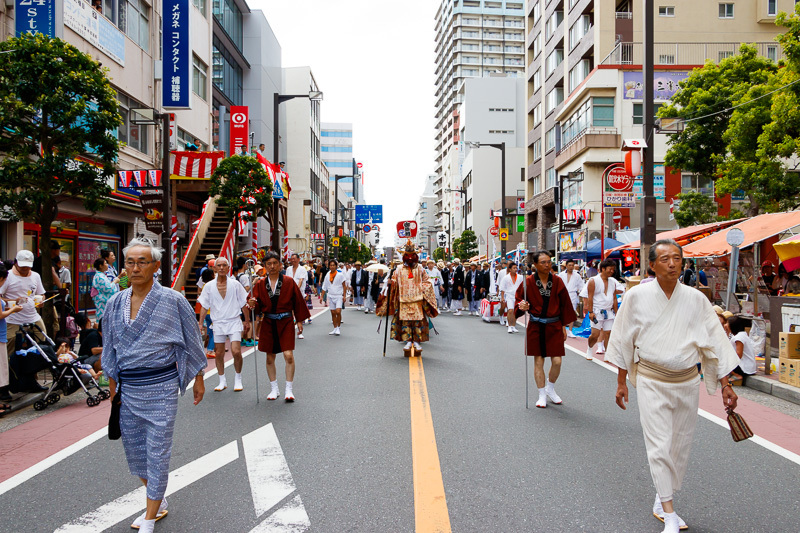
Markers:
{"x": 291, "y": 518}
{"x": 132, "y": 503}
{"x": 761, "y": 441}
{"x": 270, "y": 478}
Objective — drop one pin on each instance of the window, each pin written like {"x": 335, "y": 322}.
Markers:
{"x": 502, "y": 131}
{"x": 184, "y": 138}
{"x": 537, "y": 44}
{"x": 552, "y": 24}
{"x": 537, "y": 12}
{"x": 578, "y": 30}
{"x": 199, "y": 78}
{"x": 554, "y": 99}
{"x": 579, "y": 73}
{"x": 701, "y": 184}
{"x": 537, "y": 79}
{"x": 537, "y": 114}
{"x": 537, "y": 149}
{"x": 638, "y": 112}
{"x": 576, "y": 124}
{"x": 131, "y": 134}
{"x": 603, "y": 111}
{"x": 201, "y": 5}
{"x": 772, "y": 7}
{"x": 666, "y": 11}
{"x": 554, "y": 60}
{"x": 226, "y": 74}
{"x": 339, "y": 149}
{"x": 772, "y": 53}
{"x": 666, "y": 59}
{"x": 726, "y": 11}
{"x": 537, "y": 187}
{"x": 230, "y": 18}
{"x": 134, "y": 21}
{"x": 723, "y": 54}
{"x": 550, "y": 178}
{"x": 550, "y": 139}
{"x": 330, "y": 133}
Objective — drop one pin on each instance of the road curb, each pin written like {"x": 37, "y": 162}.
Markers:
{"x": 24, "y": 401}
{"x": 774, "y": 388}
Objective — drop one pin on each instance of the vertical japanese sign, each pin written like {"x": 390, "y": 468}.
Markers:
{"x": 240, "y": 122}
{"x": 176, "y": 55}
{"x": 35, "y": 16}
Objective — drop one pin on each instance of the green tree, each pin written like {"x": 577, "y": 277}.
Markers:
{"x": 351, "y": 250}
{"x": 695, "y": 208}
{"x": 438, "y": 254}
{"x": 720, "y": 142}
{"x": 56, "y": 104}
{"x": 467, "y": 245}
{"x": 236, "y": 180}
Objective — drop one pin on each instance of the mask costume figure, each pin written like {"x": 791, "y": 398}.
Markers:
{"x": 411, "y": 302}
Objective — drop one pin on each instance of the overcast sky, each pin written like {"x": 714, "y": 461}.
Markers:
{"x": 373, "y": 60}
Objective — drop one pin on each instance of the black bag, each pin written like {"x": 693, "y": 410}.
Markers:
{"x": 114, "y": 432}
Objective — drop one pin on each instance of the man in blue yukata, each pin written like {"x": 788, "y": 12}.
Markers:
{"x": 151, "y": 351}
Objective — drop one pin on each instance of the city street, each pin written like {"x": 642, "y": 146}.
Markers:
{"x": 353, "y": 453}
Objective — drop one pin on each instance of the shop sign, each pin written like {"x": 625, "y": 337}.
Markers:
{"x": 152, "y": 201}
{"x": 618, "y": 180}
{"x": 572, "y": 241}
{"x": 619, "y": 199}
{"x": 177, "y": 54}
{"x": 659, "y": 190}
{"x": 665, "y": 84}
{"x": 95, "y": 28}
{"x": 240, "y": 125}
{"x": 35, "y": 16}
{"x": 520, "y": 223}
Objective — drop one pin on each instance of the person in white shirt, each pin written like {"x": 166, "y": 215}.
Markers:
{"x": 572, "y": 280}
{"x": 662, "y": 331}
{"x": 299, "y": 274}
{"x": 227, "y": 300}
{"x": 335, "y": 287}
{"x": 743, "y": 346}
{"x": 500, "y": 273}
{"x": 436, "y": 278}
{"x": 601, "y": 303}
{"x": 508, "y": 292}
{"x": 23, "y": 287}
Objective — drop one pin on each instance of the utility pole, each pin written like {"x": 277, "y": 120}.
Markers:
{"x": 648, "y": 222}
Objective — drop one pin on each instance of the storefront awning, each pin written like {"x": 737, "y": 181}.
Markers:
{"x": 755, "y": 230}
{"x": 683, "y": 236}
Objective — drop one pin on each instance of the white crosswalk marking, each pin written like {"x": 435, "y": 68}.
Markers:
{"x": 270, "y": 478}
{"x": 132, "y": 503}
{"x": 291, "y": 518}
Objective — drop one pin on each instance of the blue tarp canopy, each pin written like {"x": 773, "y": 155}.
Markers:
{"x": 592, "y": 250}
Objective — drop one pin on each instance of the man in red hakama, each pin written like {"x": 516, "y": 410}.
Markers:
{"x": 282, "y": 303}
{"x": 550, "y": 312}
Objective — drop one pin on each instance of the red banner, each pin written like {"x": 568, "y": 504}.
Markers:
{"x": 240, "y": 125}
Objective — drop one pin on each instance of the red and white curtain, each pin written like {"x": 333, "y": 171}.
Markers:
{"x": 195, "y": 164}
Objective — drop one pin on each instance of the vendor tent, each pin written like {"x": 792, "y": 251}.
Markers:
{"x": 685, "y": 235}
{"x": 593, "y": 251}
{"x": 756, "y": 229}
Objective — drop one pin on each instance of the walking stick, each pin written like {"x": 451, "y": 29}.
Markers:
{"x": 250, "y": 264}
{"x": 386, "y": 327}
{"x": 525, "y": 353}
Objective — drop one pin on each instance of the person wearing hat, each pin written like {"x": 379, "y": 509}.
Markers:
{"x": 199, "y": 273}
{"x": 23, "y": 287}
{"x": 358, "y": 285}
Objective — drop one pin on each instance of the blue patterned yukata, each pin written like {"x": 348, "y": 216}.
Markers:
{"x": 151, "y": 358}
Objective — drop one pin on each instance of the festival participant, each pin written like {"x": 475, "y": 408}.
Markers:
{"x": 358, "y": 285}
{"x": 472, "y": 288}
{"x": 436, "y": 278}
{"x": 572, "y": 280}
{"x": 282, "y": 303}
{"x": 411, "y": 301}
{"x": 299, "y": 274}
{"x": 456, "y": 287}
{"x": 662, "y": 331}
{"x": 601, "y": 304}
{"x": 334, "y": 289}
{"x": 549, "y": 312}
{"x": 227, "y": 301}
{"x": 508, "y": 288}
{"x": 151, "y": 351}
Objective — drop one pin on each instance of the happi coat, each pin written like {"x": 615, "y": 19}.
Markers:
{"x": 225, "y": 313}
{"x": 277, "y": 335}
{"x": 546, "y": 340}
{"x": 676, "y": 333}
{"x": 164, "y": 333}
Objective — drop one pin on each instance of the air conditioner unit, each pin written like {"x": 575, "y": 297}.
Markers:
{"x": 594, "y": 235}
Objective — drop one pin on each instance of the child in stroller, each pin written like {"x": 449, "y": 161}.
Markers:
{"x": 66, "y": 356}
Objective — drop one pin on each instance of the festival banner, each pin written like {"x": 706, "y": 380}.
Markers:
{"x": 152, "y": 201}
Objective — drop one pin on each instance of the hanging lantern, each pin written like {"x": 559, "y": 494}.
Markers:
{"x": 633, "y": 162}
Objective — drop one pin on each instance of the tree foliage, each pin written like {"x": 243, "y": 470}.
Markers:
{"x": 56, "y": 104}
{"x": 466, "y": 245}
{"x": 438, "y": 254}
{"x": 351, "y": 250}
{"x": 695, "y": 208}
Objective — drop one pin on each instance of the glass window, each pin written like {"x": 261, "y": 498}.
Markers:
{"x": 199, "y": 78}
{"x": 230, "y": 18}
{"x": 134, "y": 21}
{"x": 554, "y": 60}
{"x": 133, "y": 135}
{"x": 537, "y": 11}
{"x": 201, "y": 5}
{"x": 666, "y": 59}
{"x": 772, "y": 53}
{"x": 537, "y": 149}
{"x": 550, "y": 139}
{"x": 550, "y": 176}
{"x": 638, "y": 112}
{"x": 772, "y": 7}
{"x": 724, "y": 54}
{"x": 726, "y": 11}
{"x": 703, "y": 185}
{"x": 184, "y": 138}
{"x": 666, "y": 11}
{"x": 554, "y": 98}
{"x": 537, "y": 44}
{"x": 579, "y": 73}
{"x": 576, "y": 124}
{"x": 537, "y": 187}
{"x": 578, "y": 30}
{"x": 552, "y": 24}
{"x": 537, "y": 79}
{"x": 537, "y": 114}
{"x": 226, "y": 74}
{"x": 603, "y": 111}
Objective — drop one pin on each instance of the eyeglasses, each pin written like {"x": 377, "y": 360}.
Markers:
{"x": 140, "y": 264}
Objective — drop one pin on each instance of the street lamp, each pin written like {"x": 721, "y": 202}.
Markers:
{"x": 502, "y": 147}
{"x": 336, "y": 179}
{"x": 464, "y": 203}
{"x": 449, "y": 230}
{"x": 314, "y": 96}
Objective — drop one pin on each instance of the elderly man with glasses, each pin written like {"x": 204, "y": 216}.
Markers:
{"x": 151, "y": 352}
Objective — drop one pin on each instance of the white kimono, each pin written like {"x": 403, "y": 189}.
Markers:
{"x": 300, "y": 276}
{"x": 574, "y": 286}
{"x": 225, "y": 313}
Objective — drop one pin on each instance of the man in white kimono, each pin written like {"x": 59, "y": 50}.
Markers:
{"x": 662, "y": 331}
{"x": 574, "y": 284}
{"x": 227, "y": 300}
{"x": 299, "y": 274}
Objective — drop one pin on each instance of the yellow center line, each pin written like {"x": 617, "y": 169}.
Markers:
{"x": 430, "y": 503}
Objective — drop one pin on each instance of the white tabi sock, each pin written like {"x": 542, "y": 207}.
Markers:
{"x": 147, "y": 526}
{"x": 237, "y": 382}
{"x": 223, "y": 383}
{"x": 274, "y": 393}
{"x": 671, "y": 523}
{"x": 542, "y": 402}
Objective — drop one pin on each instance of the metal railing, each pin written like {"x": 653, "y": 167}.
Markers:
{"x": 624, "y": 15}
{"x": 591, "y": 130}
{"x": 686, "y": 53}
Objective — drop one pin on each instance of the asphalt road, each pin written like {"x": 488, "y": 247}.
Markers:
{"x": 347, "y": 444}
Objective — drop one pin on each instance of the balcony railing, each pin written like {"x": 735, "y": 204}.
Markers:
{"x": 624, "y": 15}
{"x": 686, "y": 53}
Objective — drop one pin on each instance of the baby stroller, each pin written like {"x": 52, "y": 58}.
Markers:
{"x": 67, "y": 377}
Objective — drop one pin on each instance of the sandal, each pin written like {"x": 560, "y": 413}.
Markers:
{"x": 4, "y": 409}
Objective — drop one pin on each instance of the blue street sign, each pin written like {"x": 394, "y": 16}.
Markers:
{"x": 35, "y": 16}
{"x": 369, "y": 214}
{"x": 352, "y": 233}
{"x": 177, "y": 54}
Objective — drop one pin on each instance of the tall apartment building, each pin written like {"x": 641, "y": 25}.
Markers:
{"x": 584, "y": 78}
{"x": 337, "y": 154}
{"x": 425, "y": 217}
{"x": 473, "y": 38}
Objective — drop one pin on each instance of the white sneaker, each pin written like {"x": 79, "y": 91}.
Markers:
{"x": 162, "y": 512}
{"x": 550, "y": 390}
{"x": 515, "y": 329}
{"x": 457, "y": 313}
{"x": 570, "y": 334}
{"x": 300, "y": 336}
{"x": 542, "y": 402}
{"x": 337, "y": 332}
{"x": 289, "y": 396}
{"x": 510, "y": 329}
{"x": 223, "y": 384}
{"x": 589, "y": 354}
{"x": 502, "y": 322}
{"x": 333, "y": 332}
{"x": 237, "y": 383}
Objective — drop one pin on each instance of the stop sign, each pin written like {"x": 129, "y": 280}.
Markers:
{"x": 493, "y": 231}
{"x": 619, "y": 180}
{"x": 617, "y": 218}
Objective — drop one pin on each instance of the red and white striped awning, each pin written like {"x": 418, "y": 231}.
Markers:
{"x": 317, "y": 236}
{"x": 198, "y": 165}
{"x": 576, "y": 214}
